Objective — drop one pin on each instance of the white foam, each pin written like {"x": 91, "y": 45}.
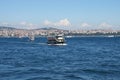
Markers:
{"x": 58, "y": 44}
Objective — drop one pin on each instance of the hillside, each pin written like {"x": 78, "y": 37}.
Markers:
{"x": 7, "y": 28}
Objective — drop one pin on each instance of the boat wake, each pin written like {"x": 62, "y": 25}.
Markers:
{"x": 58, "y": 44}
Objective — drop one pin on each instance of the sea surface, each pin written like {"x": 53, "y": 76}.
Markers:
{"x": 83, "y": 58}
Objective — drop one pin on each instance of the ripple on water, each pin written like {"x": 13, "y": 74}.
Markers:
{"x": 82, "y": 59}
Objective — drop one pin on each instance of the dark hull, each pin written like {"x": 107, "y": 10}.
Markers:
{"x": 55, "y": 42}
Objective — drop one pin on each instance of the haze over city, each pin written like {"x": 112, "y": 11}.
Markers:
{"x": 62, "y": 14}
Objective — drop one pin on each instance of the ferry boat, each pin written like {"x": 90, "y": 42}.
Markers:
{"x": 56, "y": 40}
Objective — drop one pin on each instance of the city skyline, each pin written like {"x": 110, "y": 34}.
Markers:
{"x": 63, "y": 14}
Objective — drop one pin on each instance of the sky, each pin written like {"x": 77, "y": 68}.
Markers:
{"x": 64, "y": 14}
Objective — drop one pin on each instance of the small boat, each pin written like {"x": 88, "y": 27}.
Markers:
{"x": 68, "y": 36}
{"x": 56, "y": 40}
{"x": 31, "y": 37}
{"x": 111, "y": 36}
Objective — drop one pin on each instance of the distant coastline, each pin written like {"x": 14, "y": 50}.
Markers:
{"x": 14, "y": 32}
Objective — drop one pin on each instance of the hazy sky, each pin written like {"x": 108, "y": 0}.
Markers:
{"x": 67, "y": 14}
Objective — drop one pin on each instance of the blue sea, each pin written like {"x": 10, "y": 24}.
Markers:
{"x": 83, "y": 58}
